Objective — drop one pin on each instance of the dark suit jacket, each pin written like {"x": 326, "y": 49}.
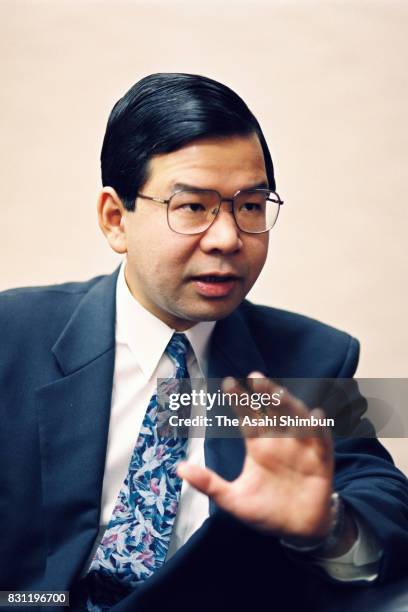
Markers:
{"x": 57, "y": 349}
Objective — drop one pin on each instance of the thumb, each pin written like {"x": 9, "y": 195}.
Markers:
{"x": 204, "y": 480}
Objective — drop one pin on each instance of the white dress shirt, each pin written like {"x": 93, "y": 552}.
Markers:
{"x": 141, "y": 339}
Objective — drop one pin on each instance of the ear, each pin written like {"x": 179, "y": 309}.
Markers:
{"x": 111, "y": 219}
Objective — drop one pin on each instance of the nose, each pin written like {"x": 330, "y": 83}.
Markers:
{"x": 223, "y": 235}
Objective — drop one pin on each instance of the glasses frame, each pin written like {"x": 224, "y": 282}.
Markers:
{"x": 221, "y": 200}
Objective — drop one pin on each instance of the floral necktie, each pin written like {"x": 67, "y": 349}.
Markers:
{"x": 137, "y": 537}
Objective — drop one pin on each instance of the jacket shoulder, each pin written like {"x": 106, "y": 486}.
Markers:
{"x": 72, "y": 287}
{"x": 301, "y": 340}
{"x": 23, "y": 310}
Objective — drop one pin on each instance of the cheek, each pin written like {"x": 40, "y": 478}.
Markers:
{"x": 160, "y": 256}
{"x": 257, "y": 249}
{"x": 145, "y": 233}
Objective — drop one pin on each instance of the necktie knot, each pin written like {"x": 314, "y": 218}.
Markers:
{"x": 177, "y": 349}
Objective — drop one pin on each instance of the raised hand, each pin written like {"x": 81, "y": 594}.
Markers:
{"x": 285, "y": 485}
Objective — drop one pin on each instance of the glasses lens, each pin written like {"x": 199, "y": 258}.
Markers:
{"x": 256, "y": 211}
{"x": 191, "y": 212}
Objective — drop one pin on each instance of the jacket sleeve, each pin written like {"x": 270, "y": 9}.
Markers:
{"x": 367, "y": 479}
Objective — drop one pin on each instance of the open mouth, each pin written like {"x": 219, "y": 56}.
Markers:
{"x": 216, "y": 279}
{"x": 215, "y": 286}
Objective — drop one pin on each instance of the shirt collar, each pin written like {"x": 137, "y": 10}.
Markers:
{"x": 147, "y": 336}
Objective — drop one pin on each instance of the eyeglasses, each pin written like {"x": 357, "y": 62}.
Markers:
{"x": 193, "y": 211}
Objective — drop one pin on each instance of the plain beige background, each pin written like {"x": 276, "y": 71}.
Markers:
{"x": 328, "y": 82}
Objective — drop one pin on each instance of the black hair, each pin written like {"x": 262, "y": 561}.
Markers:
{"x": 160, "y": 114}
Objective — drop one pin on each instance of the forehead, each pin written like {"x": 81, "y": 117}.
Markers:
{"x": 225, "y": 164}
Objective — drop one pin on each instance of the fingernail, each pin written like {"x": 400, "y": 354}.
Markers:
{"x": 229, "y": 383}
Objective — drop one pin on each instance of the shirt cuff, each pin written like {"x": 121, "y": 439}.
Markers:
{"x": 361, "y": 562}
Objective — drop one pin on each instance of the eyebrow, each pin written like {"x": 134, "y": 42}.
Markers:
{"x": 177, "y": 186}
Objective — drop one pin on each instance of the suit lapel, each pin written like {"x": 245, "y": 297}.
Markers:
{"x": 233, "y": 352}
{"x": 74, "y": 415}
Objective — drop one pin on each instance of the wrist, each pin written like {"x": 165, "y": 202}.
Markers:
{"x": 321, "y": 546}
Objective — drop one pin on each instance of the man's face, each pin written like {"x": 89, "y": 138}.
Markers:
{"x": 166, "y": 272}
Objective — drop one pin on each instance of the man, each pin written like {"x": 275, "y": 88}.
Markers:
{"x": 92, "y": 497}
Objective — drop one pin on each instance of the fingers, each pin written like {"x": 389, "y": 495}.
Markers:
{"x": 203, "y": 480}
{"x": 288, "y": 415}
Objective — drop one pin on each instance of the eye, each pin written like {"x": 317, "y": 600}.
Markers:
{"x": 192, "y": 207}
{"x": 250, "y": 207}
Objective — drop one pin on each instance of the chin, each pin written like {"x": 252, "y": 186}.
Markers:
{"x": 213, "y": 313}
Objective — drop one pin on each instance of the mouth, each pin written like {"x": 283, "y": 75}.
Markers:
{"x": 215, "y": 285}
